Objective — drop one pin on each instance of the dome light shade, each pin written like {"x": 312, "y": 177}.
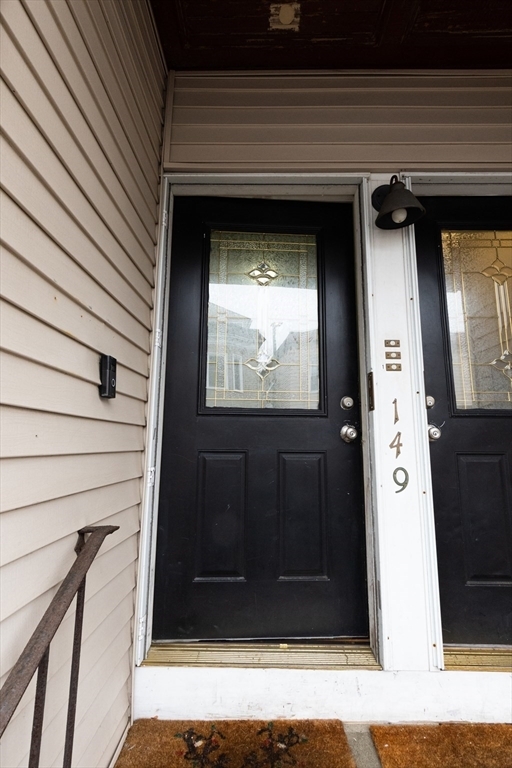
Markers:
{"x": 397, "y": 206}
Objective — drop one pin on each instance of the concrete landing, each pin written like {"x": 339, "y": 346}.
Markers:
{"x": 361, "y": 744}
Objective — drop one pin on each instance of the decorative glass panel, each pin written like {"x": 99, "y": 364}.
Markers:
{"x": 262, "y": 321}
{"x": 478, "y": 269}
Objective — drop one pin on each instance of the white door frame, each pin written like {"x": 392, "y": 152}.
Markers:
{"x": 405, "y": 621}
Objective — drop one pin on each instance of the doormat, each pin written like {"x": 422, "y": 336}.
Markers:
{"x": 236, "y": 744}
{"x": 448, "y": 745}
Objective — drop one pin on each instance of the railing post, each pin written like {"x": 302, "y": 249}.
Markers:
{"x": 37, "y": 723}
{"x": 73, "y": 682}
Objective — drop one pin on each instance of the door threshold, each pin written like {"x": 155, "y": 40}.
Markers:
{"x": 285, "y": 655}
{"x": 478, "y": 658}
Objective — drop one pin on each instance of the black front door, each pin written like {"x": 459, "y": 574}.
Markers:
{"x": 464, "y": 248}
{"x": 261, "y": 526}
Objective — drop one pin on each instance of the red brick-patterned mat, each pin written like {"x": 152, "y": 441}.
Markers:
{"x": 236, "y": 744}
{"x": 448, "y": 745}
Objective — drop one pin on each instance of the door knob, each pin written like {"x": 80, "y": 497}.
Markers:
{"x": 434, "y": 433}
{"x": 348, "y": 433}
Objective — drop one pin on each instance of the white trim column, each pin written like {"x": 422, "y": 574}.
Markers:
{"x": 409, "y": 619}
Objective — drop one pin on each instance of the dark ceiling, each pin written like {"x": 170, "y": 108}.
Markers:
{"x": 335, "y": 34}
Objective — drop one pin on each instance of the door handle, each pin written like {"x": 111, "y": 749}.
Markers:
{"x": 348, "y": 433}
{"x": 434, "y": 433}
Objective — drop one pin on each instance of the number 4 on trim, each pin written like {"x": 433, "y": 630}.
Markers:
{"x": 395, "y": 443}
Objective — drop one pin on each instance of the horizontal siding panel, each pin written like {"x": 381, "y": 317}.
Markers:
{"x": 280, "y": 155}
{"x": 141, "y": 28}
{"x": 23, "y": 531}
{"x": 17, "y": 737}
{"x": 52, "y": 478}
{"x": 32, "y": 195}
{"x": 326, "y": 121}
{"x": 30, "y": 149}
{"x": 338, "y": 97}
{"x": 51, "y": 106}
{"x": 24, "y": 580}
{"x": 25, "y": 336}
{"x": 97, "y": 38}
{"x": 148, "y": 100}
{"x": 23, "y": 236}
{"x": 117, "y": 736}
{"x": 104, "y": 718}
{"x": 91, "y": 82}
{"x": 79, "y": 75}
{"x": 108, "y": 30}
{"x": 60, "y": 393}
{"x": 27, "y": 290}
{"x": 35, "y": 433}
{"x": 57, "y": 694}
{"x": 116, "y": 620}
{"x": 343, "y": 134}
{"x": 111, "y": 563}
{"x": 114, "y": 667}
{"x": 347, "y": 81}
{"x": 99, "y": 601}
{"x": 112, "y": 648}
{"x": 478, "y": 164}
{"x": 235, "y": 118}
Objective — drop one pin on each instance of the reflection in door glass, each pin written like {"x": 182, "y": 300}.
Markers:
{"x": 262, "y": 321}
{"x": 478, "y": 270}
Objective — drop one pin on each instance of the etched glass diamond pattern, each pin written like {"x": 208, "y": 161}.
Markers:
{"x": 263, "y": 274}
{"x": 504, "y": 364}
{"x": 262, "y": 365}
{"x": 498, "y": 271}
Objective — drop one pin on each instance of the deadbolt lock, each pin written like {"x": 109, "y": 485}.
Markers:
{"x": 430, "y": 401}
{"x": 347, "y": 403}
{"x": 348, "y": 433}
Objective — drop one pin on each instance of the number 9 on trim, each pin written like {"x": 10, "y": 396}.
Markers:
{"x": 402, "y": 483}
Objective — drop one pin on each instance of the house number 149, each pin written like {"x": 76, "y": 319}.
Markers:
{"x": 400, "y": 475}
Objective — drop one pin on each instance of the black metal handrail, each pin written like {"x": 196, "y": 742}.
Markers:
{"x": 37, "y": 651}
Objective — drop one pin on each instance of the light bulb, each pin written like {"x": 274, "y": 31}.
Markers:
{"x": 399, "y": 215}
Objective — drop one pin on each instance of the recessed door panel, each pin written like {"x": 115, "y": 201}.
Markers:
{"x": 221, "y": 515}
{"x": 302, "y": 495}
{"x": 483, "y": 486}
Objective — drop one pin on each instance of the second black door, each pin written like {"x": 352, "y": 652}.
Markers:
{"x": 261, "y": 525}
{"x": 465, "y": 273}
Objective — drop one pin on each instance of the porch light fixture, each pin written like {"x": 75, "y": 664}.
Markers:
{"x": 397, "y": 206}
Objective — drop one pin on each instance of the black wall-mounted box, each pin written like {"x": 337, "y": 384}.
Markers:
{"x": 108, "y": 376}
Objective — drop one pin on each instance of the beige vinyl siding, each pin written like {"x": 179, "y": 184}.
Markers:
{"x": 82, "y": 95}
{"x": 244, "y": 122}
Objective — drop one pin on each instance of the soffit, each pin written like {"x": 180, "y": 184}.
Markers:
{"x": 335, "y": 34}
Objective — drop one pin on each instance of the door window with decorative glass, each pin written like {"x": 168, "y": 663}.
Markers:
{"x": 478, "y": 273}
{"x": 263, "y": 335}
